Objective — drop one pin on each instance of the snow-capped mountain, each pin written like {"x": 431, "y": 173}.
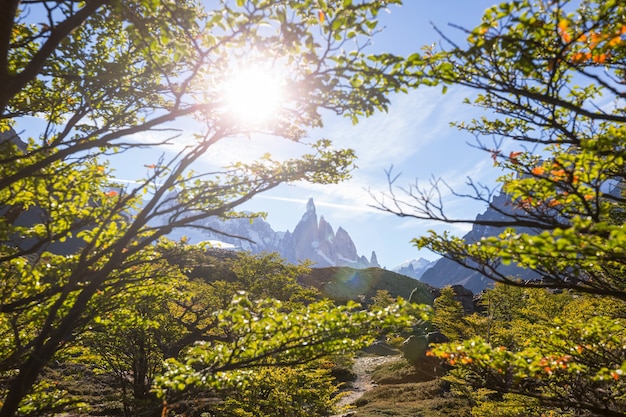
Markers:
{"x": 311, "y": 239}
{"x": 414, "y": 268}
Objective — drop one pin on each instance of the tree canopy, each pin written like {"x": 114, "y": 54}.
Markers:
{"x": 80, "y": 79}
{"x": 550, "y": 77}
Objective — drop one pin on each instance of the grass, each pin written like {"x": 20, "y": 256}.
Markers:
{"x": 408, "y": 391}
{"x": 421, "y": 399}
{"x": 401, "y": 371}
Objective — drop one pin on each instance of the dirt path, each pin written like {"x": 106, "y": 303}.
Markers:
{"x": 363, "y": 367}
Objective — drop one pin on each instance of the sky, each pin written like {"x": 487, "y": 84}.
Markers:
{"x": 414, "y": 137}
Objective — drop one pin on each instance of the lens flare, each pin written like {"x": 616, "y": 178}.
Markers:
{"x": 253, "y": 96}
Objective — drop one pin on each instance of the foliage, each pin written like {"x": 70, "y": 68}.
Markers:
{"x": 294, "y": 391}
{"x": 260, "y": 336}
{"x": 80, "y": 81}
{"x": 550, "y": 77}
{"x": 572, "y": 360}
{"x": 216, "y": 282}
{"x": 270, "y": 276}
{"x": 185, "y": 318}
{"x": 382, "y": 299}
{"x": 127, "y": 346}
{"x": 448, "y": 315}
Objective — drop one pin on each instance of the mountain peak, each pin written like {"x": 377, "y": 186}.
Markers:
{"x": 310, "y": 206}
{"x": 310, "y": 239}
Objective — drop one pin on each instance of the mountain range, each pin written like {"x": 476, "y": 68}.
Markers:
{"x": 312, "y": 238}
{"x": 414, "y": 268}
{"x": 448, "y": 272}
{"x": 315, "y": 239}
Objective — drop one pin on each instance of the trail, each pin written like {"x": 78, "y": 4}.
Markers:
{"x": 363, "y": 367}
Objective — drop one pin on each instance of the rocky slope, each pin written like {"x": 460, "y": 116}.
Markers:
{"x": 447, "y": 272}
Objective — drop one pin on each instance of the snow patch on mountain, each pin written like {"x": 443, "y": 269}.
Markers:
{"x": 414, "y": 268}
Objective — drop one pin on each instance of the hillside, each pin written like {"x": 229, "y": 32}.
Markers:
{"x": 344, "y": 283}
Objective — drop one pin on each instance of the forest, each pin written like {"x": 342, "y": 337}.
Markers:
{"x": 102, "y": 314}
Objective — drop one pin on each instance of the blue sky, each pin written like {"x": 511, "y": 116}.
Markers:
{"x": 414, "y": 136}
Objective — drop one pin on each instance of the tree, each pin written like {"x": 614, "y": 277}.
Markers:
{"x": 72, "y": 240}
{"x": 129, "y": 345}
{"x": 448, "y": 315}
{"x": 298, "y": 392}
{"x": 550, "y": 76}
{"x": 566, "y": 362}
{"x": 260, "y": 337}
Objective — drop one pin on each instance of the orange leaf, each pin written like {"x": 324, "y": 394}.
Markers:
{"x": 596, "y": 38}
{"x": 615, "y": 41}
{"x": 538, "y": 170}
{"x": 111, "y": 193}
{"x": 557, "y": 173}
{"x": 580, "y": 57}
{"x": 320, "y": 15}
{"x": 589, "y": 197}
{"x": 151, "y": 166}
{"x": 599, "y": 59}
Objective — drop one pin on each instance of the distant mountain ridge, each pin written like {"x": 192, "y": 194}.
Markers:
{"x": 415, "y": 268}
{"x": 448, "y": 272}
{"x": 311, "y": 239}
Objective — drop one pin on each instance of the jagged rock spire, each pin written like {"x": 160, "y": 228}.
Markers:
{"x": 310, "y": 207}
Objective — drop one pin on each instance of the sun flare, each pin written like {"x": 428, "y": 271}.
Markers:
{"x": 253, "y": 96}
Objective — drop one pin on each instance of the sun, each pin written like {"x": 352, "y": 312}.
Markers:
{"x": 253, "y": 96}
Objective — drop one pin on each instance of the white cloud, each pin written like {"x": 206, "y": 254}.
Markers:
{"x": 320, "y": 203}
